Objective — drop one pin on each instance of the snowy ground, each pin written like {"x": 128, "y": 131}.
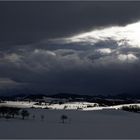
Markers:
{"x": 67, "y": 105}
{"x": 81, "y": 124}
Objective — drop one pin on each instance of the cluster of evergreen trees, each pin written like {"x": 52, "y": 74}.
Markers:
{"x": 131, "y": 108}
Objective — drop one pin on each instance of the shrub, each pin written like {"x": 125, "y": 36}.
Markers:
{"x": 46, "y": 107}
{"x": 60, "y": 102}
{"x": 65, "y": 107}
{"x": 89, "y": 106}
{"x": 79, "y": 108}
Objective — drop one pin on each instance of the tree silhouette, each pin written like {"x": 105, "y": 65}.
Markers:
{"x": 14, "y": 111}
{"x": 33, "y": 116}
{"x": 42, "y": 117}
{"x": 131, "y": 108}
{"x": 7, "y": 117}
{"x": 3, "y": 110}
{"x": 10, "y": 111}
{"x": 24, "y": 113}
{"x": 63, "y": 118}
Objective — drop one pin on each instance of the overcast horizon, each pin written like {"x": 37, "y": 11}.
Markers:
{"x": 74, "y": 47}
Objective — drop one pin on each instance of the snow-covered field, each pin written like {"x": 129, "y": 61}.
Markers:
{"x": 85, "y": 120}
{"x": 108, "y": 123}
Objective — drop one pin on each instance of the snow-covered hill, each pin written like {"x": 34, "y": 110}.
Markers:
{"x": 85, "y": 106}
{"x": 84, "y": 120}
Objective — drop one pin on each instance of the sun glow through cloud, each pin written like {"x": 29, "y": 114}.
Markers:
{"x": 128, "y": 35}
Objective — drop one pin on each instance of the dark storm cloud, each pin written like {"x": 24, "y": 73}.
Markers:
{"x": 41, "y": 50}
{"x": 27, "y": 22}
{"x": 86, "y": 71}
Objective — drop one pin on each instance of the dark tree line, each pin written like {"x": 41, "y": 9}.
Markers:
{"x": 131, "y": 108}
{"x": 14, "y": 112}
{"x": 11, "y": 112}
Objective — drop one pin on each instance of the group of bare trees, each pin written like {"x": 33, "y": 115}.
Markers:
{"x": 11, "y": 112}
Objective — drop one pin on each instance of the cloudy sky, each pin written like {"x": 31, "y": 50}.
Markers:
{"x": 75, "y": 47}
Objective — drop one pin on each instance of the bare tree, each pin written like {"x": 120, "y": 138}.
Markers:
{"x": 63, "y": 118}
{"x": 7, "y": 117}
{"x": 42, "y": 117}
{"x": 33, "y": 116}
{"x": 24, "y": 113}
{"x": 10, "y": 111}
{"x": 14, "y": 111}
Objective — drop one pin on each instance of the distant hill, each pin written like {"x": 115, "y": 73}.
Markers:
{"x": 71, "y": 97}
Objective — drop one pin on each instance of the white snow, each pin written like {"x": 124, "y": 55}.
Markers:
{"x": 67, "y": 105}
{"x": 72, "y": 105}
{"x": 99, "y": 124}
{"x": 85, "y": 106}
{"x": 19, "y": 104}
{"x": 85, "y": 120}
